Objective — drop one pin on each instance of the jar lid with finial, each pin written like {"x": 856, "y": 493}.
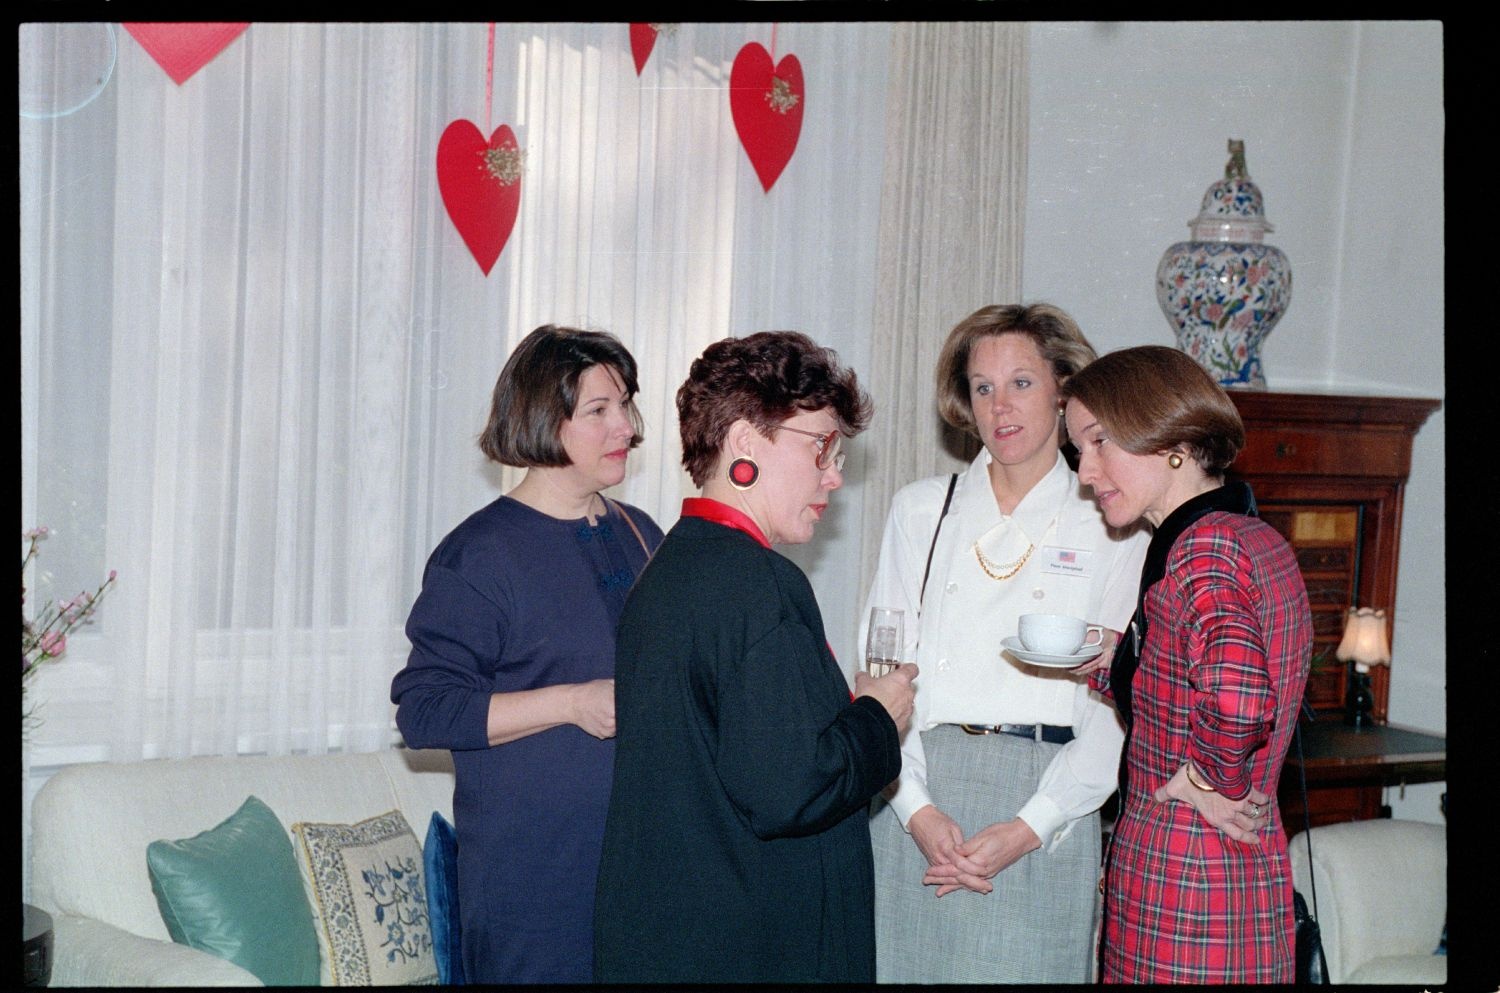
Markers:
{"x": 1233, "y": 209}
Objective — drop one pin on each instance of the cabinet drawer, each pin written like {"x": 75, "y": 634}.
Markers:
{"x": 1328, "y": 452}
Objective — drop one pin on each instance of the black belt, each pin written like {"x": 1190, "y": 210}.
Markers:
{"x": 1052, "y": 733}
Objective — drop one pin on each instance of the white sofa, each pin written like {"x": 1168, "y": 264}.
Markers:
{"x": 1382, "y": 889}
{"x": 91, "y": 825}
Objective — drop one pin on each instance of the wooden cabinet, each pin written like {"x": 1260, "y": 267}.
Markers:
{"x": 1329, "y": 472}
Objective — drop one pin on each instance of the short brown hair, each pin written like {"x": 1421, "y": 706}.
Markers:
{"x": 1152, "y": 398}
{"x": 538, "y": 390}
{"x": 764, "y": 378}
{"x": 1055, "y": 334}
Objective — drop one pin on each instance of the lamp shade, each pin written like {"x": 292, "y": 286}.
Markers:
{"x": 1365, "y": 639}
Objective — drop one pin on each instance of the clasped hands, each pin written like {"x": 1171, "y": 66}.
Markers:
{"x": 955, "y": 863}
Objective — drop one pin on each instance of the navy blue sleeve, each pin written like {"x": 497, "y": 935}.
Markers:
{"x": 442, "y": 697}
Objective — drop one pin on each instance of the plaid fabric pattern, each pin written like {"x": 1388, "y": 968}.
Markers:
{"x": 1221, "y": 678}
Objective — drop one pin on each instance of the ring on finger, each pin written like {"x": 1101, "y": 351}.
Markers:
{"x": 1255, "y": 809}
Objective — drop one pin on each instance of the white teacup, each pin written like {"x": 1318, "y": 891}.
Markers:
{"x": 1058, "y": 634}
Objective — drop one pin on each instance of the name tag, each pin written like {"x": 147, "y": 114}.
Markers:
{"x": 1066, "y": 561}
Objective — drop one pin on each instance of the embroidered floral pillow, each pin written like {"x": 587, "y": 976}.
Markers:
{"x": 365, "y": 884}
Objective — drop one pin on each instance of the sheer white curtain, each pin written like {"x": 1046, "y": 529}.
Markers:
{"x": 256, "y": 354}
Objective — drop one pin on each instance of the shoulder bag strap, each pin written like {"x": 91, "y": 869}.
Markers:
{"x": 634, "y": 530}
{"x": 1312, "y": 872}
{"x": 952, "y": 482}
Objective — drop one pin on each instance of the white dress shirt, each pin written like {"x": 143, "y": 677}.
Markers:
{"x": 1076, "y": 566}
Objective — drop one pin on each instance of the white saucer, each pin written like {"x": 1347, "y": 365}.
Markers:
{"x": 1014, "y": 646}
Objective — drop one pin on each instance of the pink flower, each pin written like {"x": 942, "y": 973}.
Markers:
{"x": 1254, "y": 273}
{"x": 1215, "y": 311}
{"x": 54, "y": 643}
{"x": 1241, "y": 320}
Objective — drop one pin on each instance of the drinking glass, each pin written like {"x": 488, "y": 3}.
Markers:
{"x": 883, "y": 641}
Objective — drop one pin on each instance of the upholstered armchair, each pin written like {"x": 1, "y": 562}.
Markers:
{"x": 1382, "y": 888}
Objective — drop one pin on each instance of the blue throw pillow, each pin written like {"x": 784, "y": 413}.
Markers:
{"x": 440, "y": 861}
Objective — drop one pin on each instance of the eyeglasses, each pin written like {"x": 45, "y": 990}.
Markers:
{"x": 830, "y": 447}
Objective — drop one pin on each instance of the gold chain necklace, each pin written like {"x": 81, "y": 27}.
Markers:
{"x": 990, "y": 567}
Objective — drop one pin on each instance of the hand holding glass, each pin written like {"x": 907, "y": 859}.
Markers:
{"x": 883, "y": 641}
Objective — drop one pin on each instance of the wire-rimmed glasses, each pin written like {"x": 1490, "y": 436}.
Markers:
{"x": 830, "y": 447}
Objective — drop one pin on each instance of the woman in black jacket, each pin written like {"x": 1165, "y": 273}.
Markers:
{"x": 736, "y": 847}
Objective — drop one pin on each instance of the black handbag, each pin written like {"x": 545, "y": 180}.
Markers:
{"x": 1312, "y": 970}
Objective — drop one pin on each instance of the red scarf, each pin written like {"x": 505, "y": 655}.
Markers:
{"x": 722, "y": 513}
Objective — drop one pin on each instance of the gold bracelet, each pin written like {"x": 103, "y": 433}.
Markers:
{"x": 1192, "y": 777}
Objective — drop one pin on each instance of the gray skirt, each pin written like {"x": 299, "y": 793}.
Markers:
{"x": 1039, "y": 923}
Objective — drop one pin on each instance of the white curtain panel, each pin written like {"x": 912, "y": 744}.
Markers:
{"x": 951, "y": 226}
{"x": 256, "y": 354}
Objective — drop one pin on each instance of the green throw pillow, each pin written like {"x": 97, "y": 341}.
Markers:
{"x": 235, "y": 891}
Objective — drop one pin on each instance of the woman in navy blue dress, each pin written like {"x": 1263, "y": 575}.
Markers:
{"x": 512, "y": 660}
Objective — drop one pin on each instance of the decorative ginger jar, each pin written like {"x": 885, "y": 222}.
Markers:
{"x": 1225, "y": 290}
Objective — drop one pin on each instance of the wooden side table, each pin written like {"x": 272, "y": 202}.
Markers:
{"x": 1348, "y": 767}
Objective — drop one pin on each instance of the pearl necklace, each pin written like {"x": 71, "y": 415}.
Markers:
{"x": 1002, "y": 572}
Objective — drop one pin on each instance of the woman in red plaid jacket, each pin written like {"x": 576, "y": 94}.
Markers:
{"x": 1208, "y": 681}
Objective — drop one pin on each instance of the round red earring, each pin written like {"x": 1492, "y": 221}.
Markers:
{"x": 743, "y": 473}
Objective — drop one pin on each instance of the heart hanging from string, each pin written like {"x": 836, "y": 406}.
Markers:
{"x": 183, "y": 49}
{"x": 766, "y": 102}
{"x": 480, "y": 181}
{"x": 642, "y": 40}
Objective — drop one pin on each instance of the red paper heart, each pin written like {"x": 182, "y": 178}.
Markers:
{"x": 481, "y": 204}
{"x": 767, "y": 106}
{"x": 642, "y": 40}
{"x": 183, "y": 49}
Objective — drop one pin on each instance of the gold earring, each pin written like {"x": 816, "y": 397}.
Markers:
{"x": 1174, "y": 460}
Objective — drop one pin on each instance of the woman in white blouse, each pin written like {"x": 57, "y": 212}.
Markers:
{"x": 987, "y": 848}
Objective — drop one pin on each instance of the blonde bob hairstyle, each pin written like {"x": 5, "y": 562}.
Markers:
{"x": 1055, "y": 334}
{"x": 1152, "y": 399}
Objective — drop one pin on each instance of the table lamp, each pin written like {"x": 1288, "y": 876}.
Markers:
{"x": 1365, "y": 644}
